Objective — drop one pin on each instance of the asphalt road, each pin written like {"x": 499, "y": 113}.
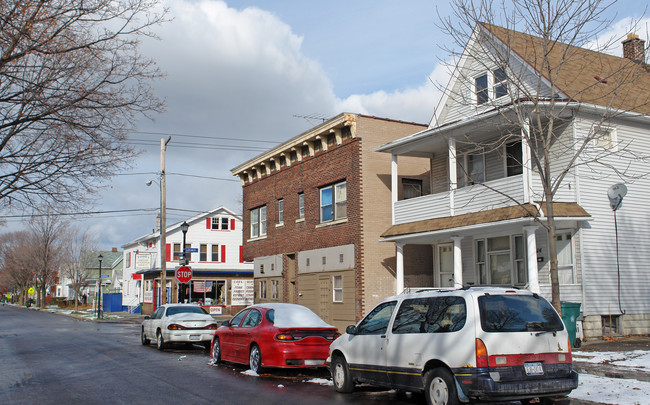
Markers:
{"x": 52, "y": 359}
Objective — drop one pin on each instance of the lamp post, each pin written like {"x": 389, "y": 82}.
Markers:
{"x": 99, "y": 296}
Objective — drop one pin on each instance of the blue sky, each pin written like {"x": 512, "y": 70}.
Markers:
{"x": 238, "y": 74}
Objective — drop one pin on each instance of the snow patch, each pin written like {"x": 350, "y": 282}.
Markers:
{"x": 250, "y": 373}
{"x": 611, "y": 390}
{"x": 322, "y": 381}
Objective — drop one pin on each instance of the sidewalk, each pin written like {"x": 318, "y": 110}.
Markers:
{"x": 619, "y": 357}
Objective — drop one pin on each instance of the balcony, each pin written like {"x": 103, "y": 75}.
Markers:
{"x": 503, "y": 192}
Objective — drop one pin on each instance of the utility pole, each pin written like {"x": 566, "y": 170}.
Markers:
{"x": 163, "y": 223}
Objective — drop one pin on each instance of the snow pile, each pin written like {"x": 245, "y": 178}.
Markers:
{"x": 250, "y": 373}
{"x": 321, "y": 381}
{"x": 637, "y": 359}
{"x": 606, "y": 390}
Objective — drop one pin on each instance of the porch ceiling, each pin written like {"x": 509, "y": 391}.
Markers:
{"x": 518, "y": 213}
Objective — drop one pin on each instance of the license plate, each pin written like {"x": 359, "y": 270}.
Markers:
{"x": 534, "y": 368}
{"x": 195, "y": 337}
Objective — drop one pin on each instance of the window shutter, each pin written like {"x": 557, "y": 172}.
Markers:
{"x": 241, "y": 254}
{"x": 168, "y": 252}
{"x": 208, "y": 223}
{"x": 129, "y": 261}
{"x": 232, "y": 224}
{"x": 223, "y": 253}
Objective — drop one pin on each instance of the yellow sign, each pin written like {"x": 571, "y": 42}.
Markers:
{"x": 30, "y": 291}
{"x": 8, "y": 296}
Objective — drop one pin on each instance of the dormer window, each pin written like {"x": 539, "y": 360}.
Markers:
{"x": 481, "y": 88}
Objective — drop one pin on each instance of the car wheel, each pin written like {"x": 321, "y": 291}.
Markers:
{"x": 255, "y": 359}
{"x": 216, "y": 351}
{"x": 440, "y": 387}
{"x": 143, "y": 338}
{"x": 160, "y": 341}
{"x": 341, "y": 375}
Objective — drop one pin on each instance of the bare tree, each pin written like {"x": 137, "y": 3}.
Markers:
{"x": 48, "y": 251}
{"x": 72, "y": 83}
{"x": 16, "y": 262}
{"x": 550, "y": 36}
{"x": 81, "y": 249}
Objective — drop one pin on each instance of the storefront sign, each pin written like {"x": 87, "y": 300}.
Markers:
{"x": 143, "y": 261}
{"x": 243, "y": 292}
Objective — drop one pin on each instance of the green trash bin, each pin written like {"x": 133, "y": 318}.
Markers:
{"x": 570, "y": 314}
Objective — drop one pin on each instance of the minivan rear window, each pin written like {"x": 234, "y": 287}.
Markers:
{"x": 517, "y": 313}
{"x": 430, "y": 315}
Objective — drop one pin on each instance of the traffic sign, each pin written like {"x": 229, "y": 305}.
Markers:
{"x": 183, "y": 274}
{"x": 191, "y": 250}
{"x": 30, "y": 291}
{"x": 106, "y": 275}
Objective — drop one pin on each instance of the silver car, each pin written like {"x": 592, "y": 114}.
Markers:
{"x": 178, "y": 323}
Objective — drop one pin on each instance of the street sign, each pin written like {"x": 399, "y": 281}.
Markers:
{"x": 106, "y": 275}
{"x": 183, "y": 274}
{"x": 30, "y": 291}
{"x": 191, "y": 250}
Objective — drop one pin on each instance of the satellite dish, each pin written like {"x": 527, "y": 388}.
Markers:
{"x": 615, "y": 194}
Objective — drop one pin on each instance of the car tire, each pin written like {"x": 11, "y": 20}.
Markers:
{"x": 216, "y": 351}
{"x": 160, "y": 341}
{"x": 341, "y": 375}
{"x": 440, "y": 387}
{"x": 143, "y": 338}
{"x": 255, "y": 359}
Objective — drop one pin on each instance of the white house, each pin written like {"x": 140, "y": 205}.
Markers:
{"x": 221, "y": 280}
{"x": 482, "y": 222}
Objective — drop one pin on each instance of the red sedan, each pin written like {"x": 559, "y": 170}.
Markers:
{"x": 274, "y": 335}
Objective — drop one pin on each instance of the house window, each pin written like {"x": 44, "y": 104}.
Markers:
{"x": 603, "y": 138}
{"x": 301, "y": 205}
{"x": 272, "y": 165}
{"x": 411, "y": 188}
{"x": 472, "y": 168}
{"x": 514, "y": 164}
{"x": 220, "y": 223}
{"x": 610, "y": 324}
{"x": 203, "y": 253}
{"x": 280, "y": 211}
{"x": 500, "y": 84}
{"x": 177, "y": 251}
{"x": 275, "y": 290}
{"x": 501, "y": 260}
{"x": 305, "y": 150}
{"x": 318, "y": 145}
{"x": 331, "y": 140}
{"x": 346, "y": 133}
{"x": 188, "y": 246}
{"x": 262, "y": 292}
{"x": 261, "y": 269}
{"x": 258, "y": 222}
{"x": 333, "y": 202}
{"x": 215, "y": 253}
{"x": 293, "y": 156}
{"x": 337, "y": 288}
{"x": 481, "y": 89}
{"x": 283, "y": 161}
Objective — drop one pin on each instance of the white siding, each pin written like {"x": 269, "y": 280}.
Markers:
{"x": 600, "y": 275}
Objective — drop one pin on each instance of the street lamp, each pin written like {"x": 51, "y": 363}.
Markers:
{"x": 99, "y": 297}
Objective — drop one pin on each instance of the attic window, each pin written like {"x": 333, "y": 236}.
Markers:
{"x": 601, "y": 79}
{"x": 481, "y": 88}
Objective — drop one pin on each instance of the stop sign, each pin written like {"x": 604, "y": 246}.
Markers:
{"x": 183, "y": 274}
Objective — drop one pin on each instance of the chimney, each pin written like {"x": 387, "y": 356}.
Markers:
{"x": 634, "y": 48}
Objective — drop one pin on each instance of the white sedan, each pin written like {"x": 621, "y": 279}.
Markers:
{"x": 182, "y": 323}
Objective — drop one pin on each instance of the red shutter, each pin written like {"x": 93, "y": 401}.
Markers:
{"x": 168, "y": 253}
{"x": 208, "y": 223}
{"x": 223, "y": 253}
{"x": 241, "y": 254}
{"x": 232, "y": 224}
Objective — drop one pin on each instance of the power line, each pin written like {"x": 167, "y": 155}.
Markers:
{"x": 141, "y": 210}
{"x": 205, "y": 137}
{"x": 200, "y": 146}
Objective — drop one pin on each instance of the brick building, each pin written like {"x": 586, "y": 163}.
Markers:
{"x": 314, "y": 209}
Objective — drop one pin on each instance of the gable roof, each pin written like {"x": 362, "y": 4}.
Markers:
{"x": 583, "y": 75}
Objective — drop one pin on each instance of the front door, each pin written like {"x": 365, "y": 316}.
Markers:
{"x": 446, "y": 265}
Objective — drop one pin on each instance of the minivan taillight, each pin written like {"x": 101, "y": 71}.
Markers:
{"x": 481, "y": 354}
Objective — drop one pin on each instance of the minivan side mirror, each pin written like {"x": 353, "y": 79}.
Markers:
{"x": 147, "y": 317}
{"x": 351, "y": 330}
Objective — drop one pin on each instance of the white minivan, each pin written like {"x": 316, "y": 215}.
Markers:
{"x": 478, "y": 343}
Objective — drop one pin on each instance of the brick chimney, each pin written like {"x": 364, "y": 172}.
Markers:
{"x": 634, "y": 48}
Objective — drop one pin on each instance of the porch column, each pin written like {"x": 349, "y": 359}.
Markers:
{"x": 527, "y": 163}
{"x": 399, "y": 267}
{"x": 393, "y": 185}
{"x": 533, "y": 279}
{"x": 452, "y": 174}
{"x": 458, "y": 263}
